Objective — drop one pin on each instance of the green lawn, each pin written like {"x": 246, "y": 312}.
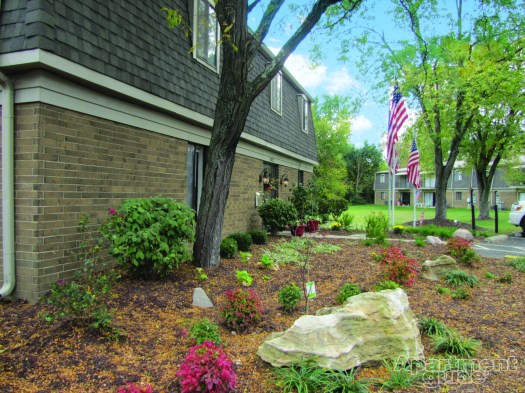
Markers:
{"x": 404, "y": 214}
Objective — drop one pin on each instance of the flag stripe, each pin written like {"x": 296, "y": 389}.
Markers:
{"x": 397, "y": 117}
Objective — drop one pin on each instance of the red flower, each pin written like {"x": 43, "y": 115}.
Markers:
{"x": 112, "y": 211}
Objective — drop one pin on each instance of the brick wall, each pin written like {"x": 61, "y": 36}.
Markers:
{"x": 69, "y": 164}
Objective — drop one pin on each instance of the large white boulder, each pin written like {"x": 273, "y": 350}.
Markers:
{"x": 437, "y": 269}
{"x": 463, "y": 234}
{"x": 371, "y": 326}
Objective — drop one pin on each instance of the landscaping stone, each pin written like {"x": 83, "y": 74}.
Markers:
{"x": 435, "y": 240}
{"x": 436, "y": 269}
{"x": 371, "y": 326}
{"x": 200, "y": 299}
{"x": 464, "y": 234}
{"x": 496, "y": 239}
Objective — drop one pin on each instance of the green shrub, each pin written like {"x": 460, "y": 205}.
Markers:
{"x": 453, "y": 343}
{"x": 376, "y": 227}
{"x": 387, "y": 284}
{"x": 432, "y": 230}
{"x": 459, "y": 277}
{"x": 150, "y": 237}
{"x": 259, "y": 237}
{"x": 506, "y": 278}
{"x": 517, "y": 263}
{"x": 333, "y": 206}
{"x": 461, "y": 249}
{"x": 244, "y": 278}
{"x": 346, "y": 291}
{"x": 289, "y": 296}
{"x": 277, "y": 214}
{"x": 245, "y": 256}
{"x": 200, "y": 275}
{"x": 228, "y": 248}
{"x": 243, "y": 310}
{"x": 266, "y": 262}
{"x": 460, "y": 293}
{"x": 303, "y": 201}
{"x": 243, "y": 239}
{"x": 205, "y": 330}
{"x": 401, "y": 376}
{"x": 433, "y": 327}
{"x": 443, "y": 291}
{"x": 346, "y": 219}
{"x": 398, "y": 229}
{"x": 420, "y": 241}
{"x": 336, "y": 226}
{"x": 490, "y": 275}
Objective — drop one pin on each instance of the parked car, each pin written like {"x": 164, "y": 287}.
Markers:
{"x": 517, "y": 215}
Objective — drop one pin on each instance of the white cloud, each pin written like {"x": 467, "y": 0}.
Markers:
{"x": 360, "y": 124}
{"x": 318, "y": 78}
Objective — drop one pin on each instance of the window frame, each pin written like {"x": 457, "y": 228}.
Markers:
{"x": 277, "y": 80}
{"x": 382, "y": 178}
{"x": 459, "y": 196}
{"x": 304, "y": 112}
{"x": 195, "y": 36}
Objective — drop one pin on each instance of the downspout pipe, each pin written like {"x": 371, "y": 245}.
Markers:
{"x": 8, "y": 181}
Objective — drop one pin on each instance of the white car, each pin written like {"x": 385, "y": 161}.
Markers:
{"x": 517, "y": 215}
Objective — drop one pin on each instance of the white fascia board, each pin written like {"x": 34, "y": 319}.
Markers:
{"x": 42, "y": 86}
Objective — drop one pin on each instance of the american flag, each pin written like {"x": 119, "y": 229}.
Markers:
{"x": 413, "y": 166}
{"x": 397, "y": 116}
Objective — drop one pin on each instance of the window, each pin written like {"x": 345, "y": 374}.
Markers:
{"x": 382, "y": 178}
{"x": 195, "y": 175}
{"x": 276, "y": 93}
{"x": 458, "y": 175}
{"x": 304, "y": 106}
{"x": 206, "y": 34}
{"x": 300, "y": 177}
{"x": 383, "y": 195}
{"x": 430, "y": 182}
{"x": 458, "y": 196}
{"x": 270, "y": 189}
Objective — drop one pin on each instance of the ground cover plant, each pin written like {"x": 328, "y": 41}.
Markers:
{"x": 157, "y": 317}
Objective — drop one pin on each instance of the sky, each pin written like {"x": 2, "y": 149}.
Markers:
{"x": 333, "y": 77}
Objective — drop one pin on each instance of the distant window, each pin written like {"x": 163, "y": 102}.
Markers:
{"x": 382, "y": 178}
{"x": 458, "y": 175}
{"x": 276, "y": 93}
{"x": 304, "y": 106}
{"x": 383, "y": 195}
{"x": 300, "y": 177}
{"x": 206, "y": 34}
{"x": 458, "y": 196}
{"x": 430, "y": 182}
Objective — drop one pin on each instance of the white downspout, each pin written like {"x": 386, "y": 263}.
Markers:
{"x": 8, "y": 181}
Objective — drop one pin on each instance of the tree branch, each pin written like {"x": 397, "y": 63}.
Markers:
{"x": 264, "y": 26}
{"x": 253, "y": 5}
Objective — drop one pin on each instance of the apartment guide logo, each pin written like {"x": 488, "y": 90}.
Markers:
{"x": 434, "y": 372}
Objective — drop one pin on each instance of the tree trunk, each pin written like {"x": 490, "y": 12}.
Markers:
{"x": 441, "y": 194}
{"x": 484, "y": 196}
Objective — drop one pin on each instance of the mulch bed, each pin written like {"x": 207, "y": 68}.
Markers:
{"x": 36, "y": 356}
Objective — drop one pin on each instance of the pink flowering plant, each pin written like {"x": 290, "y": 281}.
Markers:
{"x": 398, "y": 267}
{"x": 131, "y": 387}
{"x": 207, "y": 368}
{"x": 243, "y": 310}
{"x": 150, "y": 237}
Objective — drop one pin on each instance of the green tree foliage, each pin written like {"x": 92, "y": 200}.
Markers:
{"x": 332, "y": 119}
{"x": 361, "y": 165}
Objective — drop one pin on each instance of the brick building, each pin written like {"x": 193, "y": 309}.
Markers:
{"x": 109, "y": 103}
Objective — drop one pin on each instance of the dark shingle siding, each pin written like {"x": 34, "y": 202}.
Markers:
{"x": 131, "y": 42}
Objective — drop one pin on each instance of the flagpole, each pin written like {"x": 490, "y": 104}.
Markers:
{"x": 394, "y": 189}
{"x": 415, "y": 203}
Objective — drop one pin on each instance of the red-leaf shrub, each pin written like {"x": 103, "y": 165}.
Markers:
{"x": 207, "y": 369}
{"x": 243, "y": 309}
{"x": 398, "y": 267}
{"x": 130, "y": 387}
{"x": 461, "y": 249}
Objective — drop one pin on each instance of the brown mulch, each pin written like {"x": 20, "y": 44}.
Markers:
{"x": 36, "y": 356}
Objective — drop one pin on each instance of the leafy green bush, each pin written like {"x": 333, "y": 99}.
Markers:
{"x": 398, "y": 229}
{"x": 376, "y": 227}
{"x": 245, "y": 256}
{"x": 228, "y": 248}
{"x": 432, "y": 230}
{"x": 459, "y": 277}
{"x": 277, "y": 214}
{"x": 150, "y": 237}
{"x": 454, "y": 344}
{"x": 517, "y": 263}
{"x": 266, "y": 262}
{"x": 460, "y": 293}
{"x": 244, "y": 278}
{"x": 443, "y": 290}
{"x": 303, "y": 201}
{"x": 401, "y": 376}
{"x": 346, "y": 291}
{"x": 506, "y": 278}
{"x": 420, "y": 241}
{"x": 346, "y": 219}
{"x": 259, "y": 237}
{"x": 244, "y": 240}
{"x": 432, "y": 327}
{"x": 387, "y": 284}
{"x": 205, "y": 330}
{"x": 289, "y": 296}
{"x": 243, "y": 310}
{"x": 461, "y": 249}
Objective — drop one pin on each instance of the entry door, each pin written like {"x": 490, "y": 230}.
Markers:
{"x": 195, "y": 176}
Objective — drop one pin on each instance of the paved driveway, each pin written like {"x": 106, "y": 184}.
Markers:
{"x": 515, "y": 245}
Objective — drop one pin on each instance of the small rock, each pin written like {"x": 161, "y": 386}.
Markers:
{"x": 496, "y": 239}
{"x": 200, "y": 299}
{"x": 436, "y": 269}
{"x": 464, "y": 234}
{"x": 435, "y": 240}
